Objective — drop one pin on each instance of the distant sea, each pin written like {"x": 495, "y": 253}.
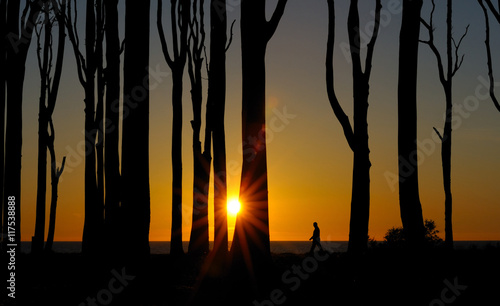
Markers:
{"x": 295, "y": 247}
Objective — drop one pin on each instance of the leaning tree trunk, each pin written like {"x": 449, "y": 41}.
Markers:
{"x": 409, "y": 199}
{"x": 251, "y": 243}
{"x": 135, "y": 143}
{"x": 216, "y": 101}
{"x": 111, "y": 125}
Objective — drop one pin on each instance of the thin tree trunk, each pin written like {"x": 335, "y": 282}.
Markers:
{"x": 198, "y": 243}
{"x": 177, "y": 62}
{"x": 111, "y": 124}
{"x": 43, "y": 137}
{"x": 409, "y": 199}
{"x": 135, "y": 142}
{"x": 216, "y": 102}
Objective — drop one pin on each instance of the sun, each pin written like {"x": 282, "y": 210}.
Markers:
{"x": 233, "y": 206}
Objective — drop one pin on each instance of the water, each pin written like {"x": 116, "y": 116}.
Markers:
{"x": 295, "y": 247}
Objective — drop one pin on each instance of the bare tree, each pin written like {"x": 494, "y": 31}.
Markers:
{"x": 216, "y": 101}
{"x": 180, "y": 17}
{"x": 19, "y": 34}
{"x": 87, "y": 67}
{"x": 409, "y": 199}
{"x": 488, "y": 47}
{"x": 52, "y": 12}
{"x": 446, "y": 78}
{"x": 357, "y": 137}
{"x": 3, "y": 79}
{"x": 251, "y": 245}
{"x": 198, "y": 242}
{"x": 111, "y": 125}
{"x": 135, "y": 141}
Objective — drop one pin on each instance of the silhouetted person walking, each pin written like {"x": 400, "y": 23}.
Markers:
{"x": 315, "y": 238}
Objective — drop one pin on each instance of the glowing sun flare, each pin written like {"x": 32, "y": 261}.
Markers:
{"x": 233, "y": 206}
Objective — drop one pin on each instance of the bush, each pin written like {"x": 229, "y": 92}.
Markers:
{"x": 395, "y": 237}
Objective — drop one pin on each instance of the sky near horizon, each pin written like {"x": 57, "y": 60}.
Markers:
{"x": 309, "y": 161}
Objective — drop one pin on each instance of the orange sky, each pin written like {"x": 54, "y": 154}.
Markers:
{"x": 309, "y": 161}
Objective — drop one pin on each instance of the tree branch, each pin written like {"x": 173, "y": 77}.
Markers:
{"x": 231, "y": 36}
{"x": 371, "y": 44}
{"x": 161, "y": 33}
{"x": 439, "y": 134}
{"x": 493, "y": 9}
{"x": 272, "y": 24}
{"x": 332, "y": 97}
{"x": 488, "y": 55}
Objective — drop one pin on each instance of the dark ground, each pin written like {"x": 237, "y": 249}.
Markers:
{"x": 381, "y": 277}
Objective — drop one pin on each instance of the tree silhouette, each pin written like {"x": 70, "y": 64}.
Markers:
{"x": 251, "y": 245}
{"x": 216, "y": 101}
{"x": 18, "y": 40}
{"x": 180, "y": 17}
{"x": 52, "y": 12}
{"x": 111, "y": 124}
{"x": 135, "y": 142}
{"x": 87, "y": 67}
{"x": 446, "y": 78}
{"x": 357, "y": 138}
{"x": 488, "y": 47}
{"x": 3, "y": 79}
{"x": 409, "y": 199}
{"x": 198, "y": 242}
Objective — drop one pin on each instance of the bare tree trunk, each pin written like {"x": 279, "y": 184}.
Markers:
{"x": 198, "y": 243}
{"x": 43, "y": 136}
{"x": 357, "y": 138}
{"x": 3, "y": 79}
{"x": 216, "y": 102}
{"x": 17, "y": 51}
{"x": 135, "y": 143}
{"x": 251, "y": 244}
{"x": 446, "y": 79}
{"x": 111, "y": 124}
{"x": 179, "y": 9}
{"x": 409, "y": 199}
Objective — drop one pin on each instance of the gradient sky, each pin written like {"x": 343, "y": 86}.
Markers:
{"x": 309, "y": 161}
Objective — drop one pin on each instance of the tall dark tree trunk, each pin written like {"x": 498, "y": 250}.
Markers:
{"x": 177, "y": 63}
{"x": 216, "y": 102}
{"x": 357, "y": 138}
{"x": 17, "y": 50}
{"x": 43, "y": 136}
{"x": 198, "y": 242}
{"x": 3, "y": 79}
{"x": 135, "y": 142}
{"x": 94, "y": 212}
{"x": 409, "y": 199}
{"x": 446, "y": 78}
{"x": 52, "y": 93}
{"x": 251, "y": 244}
{"x": 99, "y": 114}
{"x": 111, "y": 124}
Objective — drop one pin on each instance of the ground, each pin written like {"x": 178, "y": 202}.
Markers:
{"x": 381, "y": 276}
